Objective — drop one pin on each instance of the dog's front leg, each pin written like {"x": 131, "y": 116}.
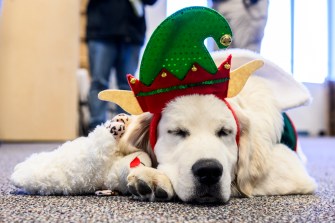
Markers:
{"x": 147, "y": 183}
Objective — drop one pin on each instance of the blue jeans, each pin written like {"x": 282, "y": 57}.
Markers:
{"x": 103, "y": 57}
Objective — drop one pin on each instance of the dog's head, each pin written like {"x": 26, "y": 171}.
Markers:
{"x": 197, "y": 149}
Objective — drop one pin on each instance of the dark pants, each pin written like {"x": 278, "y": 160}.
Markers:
{"x": 103, "y": 57}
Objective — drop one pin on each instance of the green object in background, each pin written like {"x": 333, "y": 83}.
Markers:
{"x": 178, "y": 43}
{"x": 289, "y": 135}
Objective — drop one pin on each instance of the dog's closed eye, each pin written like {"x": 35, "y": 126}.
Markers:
{"x": 183, "y": 133}
{"x": 223, "y": 132}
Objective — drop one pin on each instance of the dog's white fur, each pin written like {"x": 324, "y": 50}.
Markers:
{"x": 176, "y": 155}
{"x": 259, "y": 165}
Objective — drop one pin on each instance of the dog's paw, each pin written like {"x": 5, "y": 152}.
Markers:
{"x": 149, "y": 184}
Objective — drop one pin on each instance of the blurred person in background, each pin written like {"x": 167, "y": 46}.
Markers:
{"x": 247, "y": 19}
{"x": 115, "y": 33}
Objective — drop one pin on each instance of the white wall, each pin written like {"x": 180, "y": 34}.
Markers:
{"x": 155, "y": 15}
{"x": 313, "y": 118}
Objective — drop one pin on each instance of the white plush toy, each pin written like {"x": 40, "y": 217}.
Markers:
{"x": 84, "y": 165}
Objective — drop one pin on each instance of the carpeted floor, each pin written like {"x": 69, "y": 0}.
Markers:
{"x": 319, "y": 207}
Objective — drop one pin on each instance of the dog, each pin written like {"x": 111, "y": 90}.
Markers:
{"x": 198, "y": 151}
{"x": 207, "y": 150}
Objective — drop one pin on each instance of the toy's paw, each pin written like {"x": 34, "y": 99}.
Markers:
{"x": 117, "y": 129}
{"x": 122, "y": 118}
{"x": 149, "y": 184}
{"x": 106, "y": 193}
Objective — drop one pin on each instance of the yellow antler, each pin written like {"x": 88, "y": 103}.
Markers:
{"x": 125, "y": 99}
{"x": 239, "y": 76}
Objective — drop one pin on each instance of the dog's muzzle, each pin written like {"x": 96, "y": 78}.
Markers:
{"x": 207, "y": 174}
{"x": 207, "y": 171}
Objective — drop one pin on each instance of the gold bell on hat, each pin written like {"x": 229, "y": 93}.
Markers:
{"x": 226, "y": 40}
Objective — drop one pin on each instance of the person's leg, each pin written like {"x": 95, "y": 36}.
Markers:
{"x": 127, "y": 63}
{"x": 101, "y": 58}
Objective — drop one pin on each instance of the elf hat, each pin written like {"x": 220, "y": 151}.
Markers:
{"x": 176, "y": 63}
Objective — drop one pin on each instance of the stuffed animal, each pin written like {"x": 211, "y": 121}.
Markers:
{"x": 82, "y": 166}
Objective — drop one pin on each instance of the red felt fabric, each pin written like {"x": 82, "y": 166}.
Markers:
{"x": 237, "y": 137}
{"x": 156, "y": 102}
{"x": 153, "y": 129}
{"x": 135, "y": 162}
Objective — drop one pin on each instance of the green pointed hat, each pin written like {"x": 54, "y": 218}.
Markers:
{"x": 178, "y": 43}
{"x": 176, "y": 62}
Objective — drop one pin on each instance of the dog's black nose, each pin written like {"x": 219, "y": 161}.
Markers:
{"x": 207, "y": 171}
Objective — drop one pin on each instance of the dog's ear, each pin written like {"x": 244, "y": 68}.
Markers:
{"x": 137, "y": 135}
{"x": 251, "y": 165}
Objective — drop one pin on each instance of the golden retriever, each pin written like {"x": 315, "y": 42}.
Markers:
{"x": 207, "y": 149}
{"x": 197, "y": 156}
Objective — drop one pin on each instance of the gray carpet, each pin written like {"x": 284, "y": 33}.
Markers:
{"x": 319, "y": 207}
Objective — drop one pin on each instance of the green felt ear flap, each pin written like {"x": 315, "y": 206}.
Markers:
{"x": 179, "y": 42}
